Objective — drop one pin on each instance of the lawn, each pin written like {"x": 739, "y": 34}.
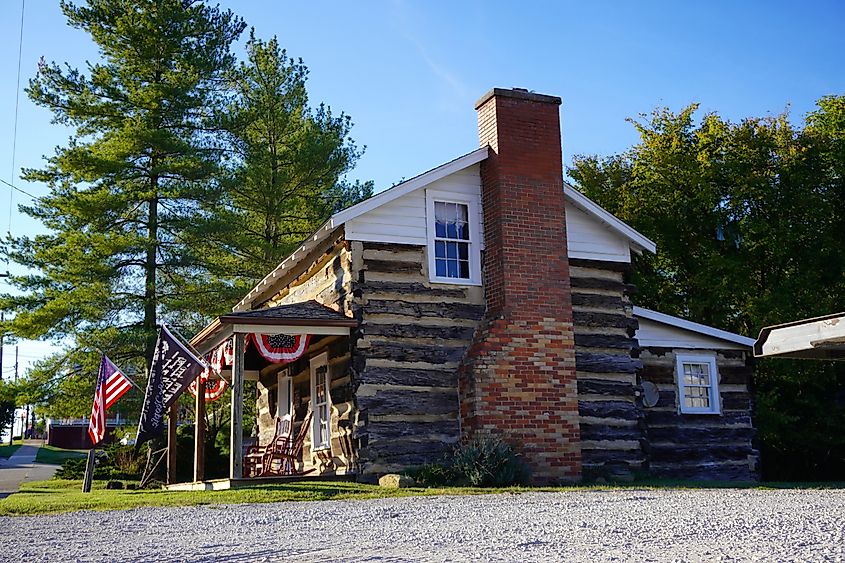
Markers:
{"x": 6, "y": 450}
{"x": 57, "y": 456}
{"x": 46, "y": 497}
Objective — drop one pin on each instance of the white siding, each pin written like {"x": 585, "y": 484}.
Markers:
{"x": 402, "y": 220}
{"x": 590, "y": 239}
{"x": 652, "y": 333}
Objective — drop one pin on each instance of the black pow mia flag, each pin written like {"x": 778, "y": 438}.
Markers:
{"x": 172, "y": 370}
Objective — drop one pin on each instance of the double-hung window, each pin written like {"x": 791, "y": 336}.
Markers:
{"x": 698, "y": 384}
{"x": 453, "y": 243}
{"x": 321, "y": 432}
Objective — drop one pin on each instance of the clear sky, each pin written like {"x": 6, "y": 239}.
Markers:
{"x": 409, "y": 72}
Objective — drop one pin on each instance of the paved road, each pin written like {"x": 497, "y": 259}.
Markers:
{"x": 21, "y": 467}
{"x": 617, "y": 525}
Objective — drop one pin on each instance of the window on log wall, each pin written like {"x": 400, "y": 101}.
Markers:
{"x": 320, "y": 403}
{"x": 698, "y": 384}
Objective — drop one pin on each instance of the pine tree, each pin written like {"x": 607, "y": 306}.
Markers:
{"x": 288, "y": 161}
{"x": 126, "y": 189}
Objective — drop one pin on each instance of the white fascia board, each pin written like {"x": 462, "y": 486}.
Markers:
{"x": 408, "y": 186}
{"x": 639, "y": 242}
{"x": 693, "y": 327}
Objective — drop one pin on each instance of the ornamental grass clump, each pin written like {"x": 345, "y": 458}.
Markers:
{"x": 488, "y": 461}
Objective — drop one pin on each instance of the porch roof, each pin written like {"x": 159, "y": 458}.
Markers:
{"x": 307, "y": 317}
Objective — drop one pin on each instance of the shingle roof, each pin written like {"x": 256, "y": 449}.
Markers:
{"x": 305, "y": 313}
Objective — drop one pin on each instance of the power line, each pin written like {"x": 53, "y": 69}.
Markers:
{"x": 17, "y": 105}
{"x": 17, "y": 189}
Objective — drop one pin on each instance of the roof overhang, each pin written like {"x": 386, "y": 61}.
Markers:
{"x": 637, "y": 240}
{"x": 323, "y": 322}
{"x": 693, "y": 327}
{"x": 820, "y": 338}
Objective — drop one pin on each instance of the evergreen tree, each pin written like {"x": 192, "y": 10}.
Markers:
{"x": 288, "y": 161}
{"x": 125, "y": 190}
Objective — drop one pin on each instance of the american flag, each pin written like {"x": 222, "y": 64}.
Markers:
{"x": 111, "y": 385}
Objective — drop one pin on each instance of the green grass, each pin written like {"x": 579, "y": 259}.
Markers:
{"x": 6, "y": 450}
{"x": 47, "y": 497}
{"x": 57, "y": 456}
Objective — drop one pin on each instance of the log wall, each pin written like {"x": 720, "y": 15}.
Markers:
{"x": 610, "y": 409}
{"x": 413, "y": 337}
{"x": 701, "y": 446}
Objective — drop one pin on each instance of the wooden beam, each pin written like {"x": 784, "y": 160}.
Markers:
{"x": 289, "y": 329}
{"x": 199, "y": 432}
{"x": 171, "y": 443}
{"x": 236, "y": 441}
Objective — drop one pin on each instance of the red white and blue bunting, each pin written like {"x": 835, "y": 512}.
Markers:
{"x": 280, "y": 347}
{"x": 276, "y": 348}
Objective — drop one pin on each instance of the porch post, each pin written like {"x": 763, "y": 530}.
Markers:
{"x": 199, "y": 432}
{"x": 235, "y": 444}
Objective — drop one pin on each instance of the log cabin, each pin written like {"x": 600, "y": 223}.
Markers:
{"x": 487, "y": 296}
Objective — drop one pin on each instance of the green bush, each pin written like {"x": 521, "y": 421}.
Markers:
{"x": 482, "y": 461}
{"x": 489, "y": 461}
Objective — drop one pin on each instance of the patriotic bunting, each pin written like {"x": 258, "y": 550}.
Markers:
{"x": 280, "y": 347}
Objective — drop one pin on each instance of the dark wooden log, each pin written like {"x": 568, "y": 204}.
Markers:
{"x": 412, "y": 377}
{"x": 672, "y": 418}
{"x": 700, "y": 435}
{"x": 704, "y": 472}
{"x": 432, "y": 449}
{"x": 421, "y": 310}
{"x": 606, "y": 363}
{"x": 578, "y": 282}
{"x": 667, "y": 398}
{"x": 612, "y": 320}
{"x": 442, "y": 430}
{"x": 605, "y": 456}
{"x": 451, "y": 332}
{"x": 604, "y": 341}
{"x": 603, "y": 432}
{"x": 393, "y": 266}
{"x": 657, "y": 373}
{"x": 371, "y": 288}
{"x": 392, "y": 247}
{"x": 735, "y": 375}
{"x": 699, "y": 453}
{"x": 592, "y": 300}
{"x": 622, "y": 267}
{"x": 410, "y": 459}
{"x": 406, "y": 402}
{"x": 622, "y": 410}
{"x": 604, "y": 387}
{"x": 342, "y": 393}
{"x": 736, "y": 401}
{"x": 403, "y": 352}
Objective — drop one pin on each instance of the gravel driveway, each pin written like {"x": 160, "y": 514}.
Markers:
{"x": 638, "y": 525}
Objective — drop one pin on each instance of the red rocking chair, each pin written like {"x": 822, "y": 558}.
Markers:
{"x": 253, "y": 459}
{"x": 281, "y": 456}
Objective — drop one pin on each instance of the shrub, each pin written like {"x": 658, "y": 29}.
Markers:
{"x": 433, "y": 475}
{"x": 488, "y": 461}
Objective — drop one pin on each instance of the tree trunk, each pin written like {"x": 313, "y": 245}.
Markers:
{"x": 150, "y": 299}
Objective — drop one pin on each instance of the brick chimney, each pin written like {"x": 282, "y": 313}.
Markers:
{"x": 518, "y": 377}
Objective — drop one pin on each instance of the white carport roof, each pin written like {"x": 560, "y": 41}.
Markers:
{"x": 821, "y": 338}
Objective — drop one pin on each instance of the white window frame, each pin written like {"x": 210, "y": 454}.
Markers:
{"x": 715, "y": 402}
{"x": 284, "y": 397}
{"x": 316, "y": 443}
{"x": 474, "y": 241}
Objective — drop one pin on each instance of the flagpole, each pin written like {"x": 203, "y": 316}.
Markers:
{"x": 129, "y": 379}
{"x": 186, "y": 342}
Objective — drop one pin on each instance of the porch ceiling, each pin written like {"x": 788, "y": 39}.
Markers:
{"x": 308, "y": 317}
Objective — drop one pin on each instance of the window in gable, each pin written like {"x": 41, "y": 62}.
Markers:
{"x": 698, "y": 384}
{"x": 454, "y": 255}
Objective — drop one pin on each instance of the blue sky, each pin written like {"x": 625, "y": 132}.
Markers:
{"x": 409, "y": 72}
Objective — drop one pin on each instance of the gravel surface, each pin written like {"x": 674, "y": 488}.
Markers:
{"x": 638, "y": 525}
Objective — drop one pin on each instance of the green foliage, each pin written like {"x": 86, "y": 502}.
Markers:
{"x": 488, "y": 461}
{"x": 116, "y": 462}
{"x": 748, "y": 219}
{"x": 434, "y": 475}
{"x": 287, "y": 161}
{"x": 57, "y": 456}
